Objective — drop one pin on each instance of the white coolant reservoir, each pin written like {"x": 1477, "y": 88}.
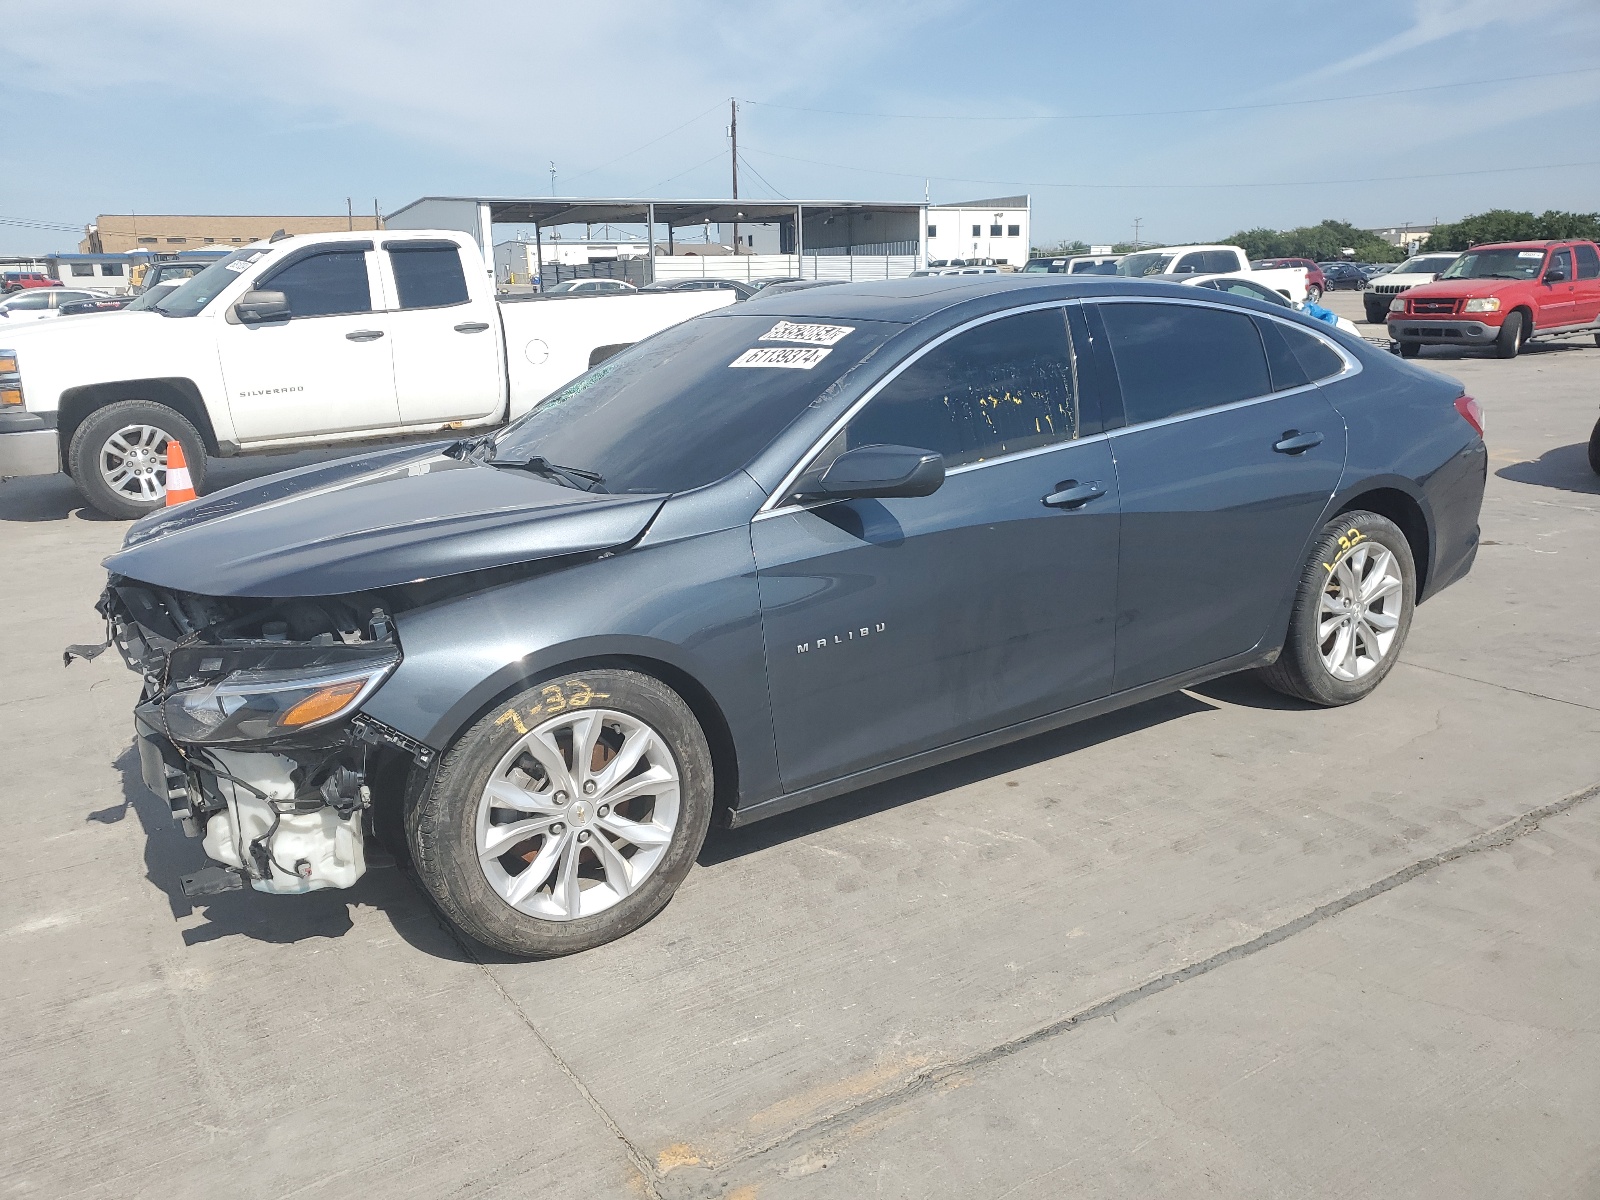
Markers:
{"x": 309, "y": 850}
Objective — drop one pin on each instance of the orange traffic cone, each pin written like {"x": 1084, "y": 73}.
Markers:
{"x": 180, "y": 488}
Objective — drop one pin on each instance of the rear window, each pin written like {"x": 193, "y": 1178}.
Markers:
{"x": 694, "y": 403}
{"x": 428, "y": 274}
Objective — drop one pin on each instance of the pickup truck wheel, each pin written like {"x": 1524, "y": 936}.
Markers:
{"x": 1351, "y": 614}
{"x": 1313, "y": 293}
{"x": 1510, "y": 339}
{"x": 118, "y": 456}
{"x": 567, "y": 816}
{"x": 1410, "y": 349}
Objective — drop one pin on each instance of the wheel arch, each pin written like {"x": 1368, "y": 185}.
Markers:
{"x": 1406, "y": 510}
{"x": 531, "y": 672}
{"x": 177, "y": 393}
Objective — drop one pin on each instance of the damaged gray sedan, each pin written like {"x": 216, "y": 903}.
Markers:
{"x": 772, "y": 555}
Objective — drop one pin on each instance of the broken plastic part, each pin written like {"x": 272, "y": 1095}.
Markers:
{"x": 210, "y": 881}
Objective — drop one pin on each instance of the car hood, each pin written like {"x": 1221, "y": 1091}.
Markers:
{"x": 1458, "y": 289}
{"x": 394, "y": 517}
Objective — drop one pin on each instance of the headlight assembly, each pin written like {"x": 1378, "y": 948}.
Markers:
{"x": 257, "y": 705}
{"x": 1483, "y": 304}
{"x": 1398, "y": 304}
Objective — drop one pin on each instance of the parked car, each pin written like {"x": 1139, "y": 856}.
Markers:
{"x": 1415, "y": 271}
{"x": 551, "y": 655}
{"x": 763, "y": 284}
{"x": 1316, "y": 281}
{"x": 740, "y": 289}
{"x": 1503, "y": 295}
{"x": 1376, "y": 269}
{"x": 292, "y": 342}
{"x": 1215, "y": 260}
{"x": 17, "y": 281}
{"x": 1343, "y": 276}
{"x": 36, "y": 304}
{"x": 589, "y": 287}
{"x": 800, "y": 285}
{"x": 1077, "y": 264}
{"x": 149, "y": 298}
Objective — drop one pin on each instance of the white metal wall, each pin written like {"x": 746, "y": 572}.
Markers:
{"x": 769, "y": 266}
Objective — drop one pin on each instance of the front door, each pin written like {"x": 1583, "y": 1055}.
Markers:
{"x": 1224, "y": 467}
{"x": 327, "y": 368}
{"x": 445, "y": 336}
{"x": 898, "y": 625}
{"x": 1556, "y": 303}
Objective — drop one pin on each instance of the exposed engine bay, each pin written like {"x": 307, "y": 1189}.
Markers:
{"x": 249, "y": 727}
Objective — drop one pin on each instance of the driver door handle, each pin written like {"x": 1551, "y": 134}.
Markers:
{"x": 364, "y": 335}
{"x": 1073, "y": 494}
{"x": 472, "y": 326}
{"x": 1295, "y": 442}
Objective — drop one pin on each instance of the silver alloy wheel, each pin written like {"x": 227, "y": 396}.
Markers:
{"x": 1360, "y": 611}
{"x": 133, "y": 462}
{"x": 578, "y": 814}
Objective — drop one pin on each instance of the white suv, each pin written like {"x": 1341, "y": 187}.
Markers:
{"x": 1414, "y": 272}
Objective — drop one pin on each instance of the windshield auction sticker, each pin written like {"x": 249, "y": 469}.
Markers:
{"x": 801, "y": 358}
{"x": 812, "y": 335}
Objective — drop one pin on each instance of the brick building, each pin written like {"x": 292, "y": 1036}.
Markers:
{"x": 117, "y": 233}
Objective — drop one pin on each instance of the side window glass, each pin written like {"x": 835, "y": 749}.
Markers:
{"x": 428, "y": 276}
{"x": 1176, "y": 358}
{"x": 1286, "y": 369}
{"x": 1561, "y": 261}
{"x": 324, "y": 285}
{"x": 1003, "y": 387}
{"x": 1191, "y": 264}
{"x": 1318, "y": 358}
{"x": 1588, "y": 262}
{"x": 1220, "y": 261}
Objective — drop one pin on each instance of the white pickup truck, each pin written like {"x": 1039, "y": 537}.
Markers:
{"x": 299, "y": 341}
{"x": 1289, "y": 282}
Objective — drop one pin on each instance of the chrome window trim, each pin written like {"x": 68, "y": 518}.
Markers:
{"x": 773, "y": 504}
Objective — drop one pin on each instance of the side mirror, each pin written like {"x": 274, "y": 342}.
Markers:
{"x": 252, "y": 308}
{"x": 879, "y": 471}
{"x": 1555, "y": 275}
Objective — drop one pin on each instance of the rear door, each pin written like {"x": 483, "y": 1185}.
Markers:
{"x": 1224, "y": 467}
{"x": 325, "y": 369}
{"x": 445, "y": 340}
{"x": 898, "y": 625}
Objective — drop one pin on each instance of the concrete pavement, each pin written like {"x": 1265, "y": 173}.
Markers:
{"x": 1217, "y": 944}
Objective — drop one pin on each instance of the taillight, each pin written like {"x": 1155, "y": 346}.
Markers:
{"x": 1471, "y": 412}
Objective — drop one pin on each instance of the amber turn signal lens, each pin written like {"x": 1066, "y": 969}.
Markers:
{"x": 323, "y": 703}
{"x": 8, "y": 362}
{"x": 11, "y": 395}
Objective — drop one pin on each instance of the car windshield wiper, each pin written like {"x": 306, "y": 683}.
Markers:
{"x": 584, "y": 481}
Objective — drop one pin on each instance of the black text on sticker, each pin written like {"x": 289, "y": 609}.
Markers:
{"x": 799, "y": 357}
{"x": 815, "y": 335}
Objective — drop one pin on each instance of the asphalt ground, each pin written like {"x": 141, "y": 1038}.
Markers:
{"x": 1218, "y": 944}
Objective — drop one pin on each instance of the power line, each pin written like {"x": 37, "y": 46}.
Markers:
{"x": 1176, "y": 112}
{"x": 23, "y": 223}
{"x": 686, "y": 171}
{"x": 1175, "y": 186}
{"x": 648, "y": 144}
{"x": 761, "y": 177}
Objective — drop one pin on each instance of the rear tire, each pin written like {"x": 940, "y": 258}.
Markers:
{"x": 118, "y": 456}
{"x": 516, "y": 841}
{"x": 1351, "y": 613}
{"x": 1594, "y": 449}
{"x": 1509, "y": 342}
{"x": 1410, "y": 349}
{"x": 1313, "y": 293}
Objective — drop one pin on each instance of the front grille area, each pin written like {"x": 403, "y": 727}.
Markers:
{"x": 1388, "y": 289}
{"x": 1430, "y": 306}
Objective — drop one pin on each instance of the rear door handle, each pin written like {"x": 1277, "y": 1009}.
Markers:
{"x": 364, "y": 335}
{"x": 1295, "y": 442}
{"x": 1072, "y": 494}
{"x": 472, "y": 326}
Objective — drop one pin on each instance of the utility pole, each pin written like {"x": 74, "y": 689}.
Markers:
{"x": 349, "y": 214}
{"x": 377, "y": 221}
{"x": 552, "y": 177}
{"x": 1137, "y": 221}
{"x": 733, "y": 133}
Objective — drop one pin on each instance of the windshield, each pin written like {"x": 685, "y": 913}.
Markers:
{"x": 1136, "y": 266}
{"x": 692, "y": 404}
{"x": 154, "y": 296}
{"x": 1496, "y": 264}
{"x": 200, "y": 290}
{"x": 1428, "y": 264}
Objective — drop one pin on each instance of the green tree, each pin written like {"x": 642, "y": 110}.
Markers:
{"x": 1061, "y": 250}
{"x": 1508, "y": 225}
{"x": 1321, "y": 242}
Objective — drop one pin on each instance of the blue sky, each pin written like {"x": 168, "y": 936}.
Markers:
{"x": 290, "y": 107}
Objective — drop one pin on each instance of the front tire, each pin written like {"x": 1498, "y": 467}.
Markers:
{"x": 1594, "y": 449}
{"x": 567, "y": 816}
{"x": 1509, "y": 341}
{"x": 1351, "y": 613}
{"x": 118, "y": 456}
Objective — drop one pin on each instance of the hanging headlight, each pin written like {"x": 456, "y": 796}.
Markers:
{"x": 257, "y": 705}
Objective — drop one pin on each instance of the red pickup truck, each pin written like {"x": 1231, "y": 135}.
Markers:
{"x": 1502, "y": 295}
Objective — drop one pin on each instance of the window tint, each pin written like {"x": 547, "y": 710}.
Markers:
{"x": 41, "y": 300}
{"x": 428, "y": 276}
{"x": 1013, "y": 230}
{"x": 1219, "y": 260}
{"x": 1318, "y": 358}
{"x": 997, "y": 389}
{"x": 1191, "y": 264}
{"x": 1287, "y": 370}
{"x": 1175, "y": 358}
{"x": 1561, "y": 261}
{"x": 994, "y": 231}
{"x": 1588, "y": 262}
{"x": 325, "y": 284}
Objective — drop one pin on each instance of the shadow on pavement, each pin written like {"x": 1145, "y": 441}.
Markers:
{"x": 1565, "y": 467}
{"x": 168, "y": 856}
{"x": 726, "y": 844}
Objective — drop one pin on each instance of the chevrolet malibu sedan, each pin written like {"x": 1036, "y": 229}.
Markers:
{"x": 772, "y": 555}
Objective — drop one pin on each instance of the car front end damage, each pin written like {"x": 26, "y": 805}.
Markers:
{"x": 249, "y": 726}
